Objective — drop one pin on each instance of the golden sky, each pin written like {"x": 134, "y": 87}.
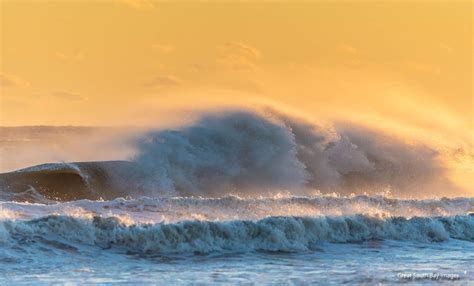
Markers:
{"x": 401, "y": 66}
{"x": 405, "y": 64}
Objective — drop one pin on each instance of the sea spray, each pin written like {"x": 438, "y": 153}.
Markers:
{"x": 253, "y": 153}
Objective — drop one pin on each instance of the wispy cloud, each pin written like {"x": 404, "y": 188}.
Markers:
{"x": 348, "y": 49}
{"x": 70, "y": 57}
{"x": 11, "y": 103}
{"x": 138, "y": 3}
{"x": 422, "y": 67}
{"x": 243, "y": 49}
{"x": 67, "y": 95}
{"x": 7, "y": 80}
{"x": 163, "y": 81}
{"x": 163, "y": 48}
{"x": 351, "y": 55}
{"x": 200, "y": 67}
{"x": 238, "y": 56}
{"x": 446, "y": 48}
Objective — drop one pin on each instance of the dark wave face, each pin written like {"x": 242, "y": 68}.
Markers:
{"x": 65, "y": 181}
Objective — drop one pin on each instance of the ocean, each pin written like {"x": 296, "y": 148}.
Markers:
{"x": 235, "y": 198}
{"x": 300, "y": 240}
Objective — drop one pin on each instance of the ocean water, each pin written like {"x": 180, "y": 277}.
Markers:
{"x": 234, "y": 198}
{"x": 314, "y": 240}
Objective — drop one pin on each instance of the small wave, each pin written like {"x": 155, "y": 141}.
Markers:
{"x": 290, "y": 234}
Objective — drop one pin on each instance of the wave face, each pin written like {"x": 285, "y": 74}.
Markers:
{"x": 269, "y": 234}
{"x": 66, "y": 181}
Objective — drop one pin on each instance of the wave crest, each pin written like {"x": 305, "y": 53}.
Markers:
{"x": 269, "y": 234}
{"x": 250, "y": 153}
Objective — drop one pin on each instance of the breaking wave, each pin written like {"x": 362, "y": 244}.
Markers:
{"x": 250, "y": 154}
{"x": 269, "y": 234}
{"x": 172, "y": 210}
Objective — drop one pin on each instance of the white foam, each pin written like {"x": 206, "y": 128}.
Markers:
{"x": 270, "y": 234}
{"x": 171, "y": 210}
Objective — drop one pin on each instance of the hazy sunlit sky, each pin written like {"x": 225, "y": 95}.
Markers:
{"x": 401, "y": 66}
{"x": 405, "y": 63}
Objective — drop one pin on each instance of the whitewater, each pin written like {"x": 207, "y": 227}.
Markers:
{"x": 234, "y": 197}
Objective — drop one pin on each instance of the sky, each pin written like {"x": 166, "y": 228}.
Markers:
{"x": 404, "y": 67}
{"x": 135, "y": 61}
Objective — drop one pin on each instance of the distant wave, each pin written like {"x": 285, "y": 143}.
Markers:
{"x": 66, "y": 181}
{"x": 245, "y": 153}
{"x": 269, "y": 234}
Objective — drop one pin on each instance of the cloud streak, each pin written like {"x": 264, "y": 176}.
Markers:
{"x": 67, "y": 95}
{"x": 73, "y": 57}
{"x": 238, "y": 56}
{"x": 11, "y": 81}
{"x": 163, "y": 48}
{"x": 139, "y": 4}
{"x": 163, "y": 81}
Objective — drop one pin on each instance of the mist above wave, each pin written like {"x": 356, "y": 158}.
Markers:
{"x": 246, "y": 153}
{"x": 254, "y": 153}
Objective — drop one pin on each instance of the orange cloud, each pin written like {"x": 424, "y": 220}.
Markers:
{"x": 67, "y": 95}
{"x": 348, "y": 49}
{"x": 238, "y": 56}
{"x": 11, "y": 81}
{"x": 73, "y": 57}
{"x": 163, "y": 80}
{"x": 164, "y": 48}
{"x": 138, "y": 3}
{"x": 422, "y": 67}
{"x": 241, "y": 48}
